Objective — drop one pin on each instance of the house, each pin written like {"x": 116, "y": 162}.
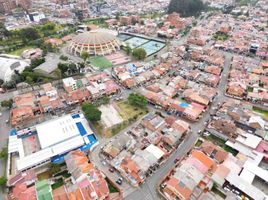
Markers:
{"x": 32, "y": 53}
{"x": 153, "y": 122}
{"x": 89, "y": 179}
{"x": 77, "y": 164}
{"x": 256, "y": 122}
{"x": 132, "y": 170}
{"x": 214, "y": 151}
{"x": 189, "y": 180}
{"x": 43, "y": 190}
{"x": 69, "y": 84}
{"x": 21, "y": 114}
{"x": 54, "y": 41}
{"x": 236, "y": 89}
{"x": 50, "y": 91}
{"x": 22, "y": 192}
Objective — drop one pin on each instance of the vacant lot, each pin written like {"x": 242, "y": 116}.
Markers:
{"x": 129, "y": 114}
{"x": 128, "y": 111}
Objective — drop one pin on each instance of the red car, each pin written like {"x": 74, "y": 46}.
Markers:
{"x": 111, "y": 169}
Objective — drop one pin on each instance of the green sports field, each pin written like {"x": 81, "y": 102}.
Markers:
{"x": 100, "y": 62}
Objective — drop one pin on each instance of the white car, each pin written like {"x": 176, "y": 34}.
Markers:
{"x": 0, "y": 114}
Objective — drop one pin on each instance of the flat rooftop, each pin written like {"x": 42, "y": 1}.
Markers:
{"x": 55, "y": 131}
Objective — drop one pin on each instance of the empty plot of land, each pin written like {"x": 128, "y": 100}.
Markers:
{"x": 110, "y": 116}
{"x": 128, "y": 111}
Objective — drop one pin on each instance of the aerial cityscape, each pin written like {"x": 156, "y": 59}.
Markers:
{"x": 133, "y": 99}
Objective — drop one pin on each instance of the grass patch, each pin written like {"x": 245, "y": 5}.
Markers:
{"x": 99, "y": 128}
{"x": 262, "y": 112}
{"x": 198, "y": 143}
{"x": 57, "y": 184}
{"x": 220, "y": 36}
{"x": 119, "y": 127}
{"x": 100, "y": 62}
{"x": 218, "y": 192}
{"x": 220, "y": 142}
{"x": 128, "y": 111}
{"x": 18, "y": 52}
{"x": 111, "y": 187}
{"x": 250, "y": 89}
{"x": 43, "y": 176}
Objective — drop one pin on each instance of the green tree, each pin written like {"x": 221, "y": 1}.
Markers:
{"x": 58, "y": 73}
{"x": 137, "y": 100}
{"x": 139, "y": 53}
{"x": 3, "y": 31}
{"x": 28, "y": 34}
{"x": 63, "y": 67}
{"x": 84, "y": 55}
{"x": 7, "y": 103}
{"x": 36, "y": 62}
{"x": 29, "y": 80}
{"x": 9, "y": 85}
{"x": 128, "y": 50}
{"x": 3, "y": 153}
{"x": 17, "y": 78}
{"x": 50, "y": 26}
{"x": 3, "y": 180}
{"x": 1, "y": 82}
{"x": 92, "y": 113}
{"x": 186, "y": 8}
{"x": 63, "y": 57}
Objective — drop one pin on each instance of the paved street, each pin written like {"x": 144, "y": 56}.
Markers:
{"x": 4, "y": 130}
{"x": 7, "y": 95}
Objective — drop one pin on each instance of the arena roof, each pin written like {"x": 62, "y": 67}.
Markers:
{"x": 94, "y": 38}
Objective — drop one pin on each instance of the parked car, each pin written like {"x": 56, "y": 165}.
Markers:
{"x": 119, "y": 181}
{"x": 103, "y": 162}
{"x": 111, "y": 169}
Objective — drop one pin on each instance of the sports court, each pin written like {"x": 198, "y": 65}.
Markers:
{"x": 135, "y": 42}
{"x": 152, "y": 47}
{"x": 100, "y": 62}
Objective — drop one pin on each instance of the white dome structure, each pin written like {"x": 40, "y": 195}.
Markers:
{"x": 9, "y": 65}
{"x": 97, "y": 42}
